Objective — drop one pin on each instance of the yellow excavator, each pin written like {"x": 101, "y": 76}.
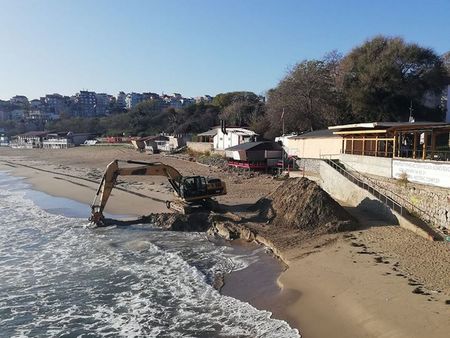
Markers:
{"x": 191, "y": 191}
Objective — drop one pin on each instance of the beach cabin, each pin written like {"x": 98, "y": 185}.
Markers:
{"x": 232, "y": 137}
{"x": 255, "y": 155}
{"x": 216, "y": 140}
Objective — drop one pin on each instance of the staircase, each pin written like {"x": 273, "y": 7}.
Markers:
{"x": 395, "y": 202}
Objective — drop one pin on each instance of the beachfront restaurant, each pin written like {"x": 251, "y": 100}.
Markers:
{"x": 421, "y": 150}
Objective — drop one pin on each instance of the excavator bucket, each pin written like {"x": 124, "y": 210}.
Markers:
{"x": 179, "y": 206}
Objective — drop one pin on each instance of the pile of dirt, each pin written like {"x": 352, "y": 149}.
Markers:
{"x": 300, "y": 203}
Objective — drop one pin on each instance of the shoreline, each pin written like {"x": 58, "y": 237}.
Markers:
{"x": 338, "y": 285}
{"x": 238, "y": 284}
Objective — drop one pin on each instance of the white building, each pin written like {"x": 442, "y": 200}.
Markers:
{"x": 4, "y": 140}
{"x": 30, "y": 140}
{"x": 133, "y": 99}
{"x": 312, "y": 144}
{"x": 55, "y": 141}
{"x": 232, "y": 137}
{"x": 64, "y": 140}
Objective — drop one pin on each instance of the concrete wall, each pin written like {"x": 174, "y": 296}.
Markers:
{"x": 381, "y": 166}
{"x": 314, "y": 147}
{"x": 341, "y": 189}
{"x": 346, "y": 192}
{"x": 200, "y": 147}
{"x": 425, "y": 172}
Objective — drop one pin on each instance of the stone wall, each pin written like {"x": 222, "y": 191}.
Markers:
{"x": 309, "y": 165}
{"x": 433, "y": 200}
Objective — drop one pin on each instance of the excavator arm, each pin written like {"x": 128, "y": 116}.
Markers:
{"x": 113, "y": 170}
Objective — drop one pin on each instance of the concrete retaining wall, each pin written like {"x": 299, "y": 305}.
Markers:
{"x": 380, "y": 166}
{"x": 341, "y": 189}
{"x": 200, "y": 147}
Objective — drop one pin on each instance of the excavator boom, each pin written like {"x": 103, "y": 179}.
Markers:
{"x": 187, "y": 189}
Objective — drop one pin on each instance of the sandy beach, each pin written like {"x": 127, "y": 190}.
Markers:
{"x": 378, "y": 281}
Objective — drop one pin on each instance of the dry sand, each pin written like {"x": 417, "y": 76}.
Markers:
{"x": 329, "y": 290}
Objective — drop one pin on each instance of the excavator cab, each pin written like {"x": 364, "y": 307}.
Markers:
{"x": 193, "y": 186}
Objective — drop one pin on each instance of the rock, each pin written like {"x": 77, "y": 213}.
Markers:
{"x": 198, "y": 221}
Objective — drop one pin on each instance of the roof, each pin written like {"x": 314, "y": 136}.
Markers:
{"x": 241, "y": 131}
{"x": 315, "y": 134}
{"x": 153, "y": 138}
{"x": 424, "y": 126}
{"x": 211, "y": 132}
{"x": 262, "y": 145}
{"x": 235, "y": 130}
{"x": 373, "y": 125}
{"x": 34, "y": 134}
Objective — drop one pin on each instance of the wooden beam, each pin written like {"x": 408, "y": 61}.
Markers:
{"x": 415, "y": 145}
{"x": 376, "y": 145}
{"x": 372, "y": 138}
{"x": 354, "y": 132}
{"x": 433, "y": 143}
{"x": 394, "y": 144}
{"x": 424, "y": 147}
{"x": 363, "y": 146}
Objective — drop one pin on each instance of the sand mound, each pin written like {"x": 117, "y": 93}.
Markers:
{"x": 302, "y": 204}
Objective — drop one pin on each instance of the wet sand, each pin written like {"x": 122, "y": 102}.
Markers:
{"x": 330, "y": 288}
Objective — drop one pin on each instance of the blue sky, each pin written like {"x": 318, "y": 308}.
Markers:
{"x": 193, "y": 47}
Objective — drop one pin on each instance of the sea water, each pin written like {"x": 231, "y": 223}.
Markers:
{"x": 59, "y": 278}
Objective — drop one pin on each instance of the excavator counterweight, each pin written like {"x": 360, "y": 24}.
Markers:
{"x": 190, "y": 191}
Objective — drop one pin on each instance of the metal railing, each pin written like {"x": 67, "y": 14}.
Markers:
{"x": 389, "y": 198}
{"x": 435, "y": 155}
